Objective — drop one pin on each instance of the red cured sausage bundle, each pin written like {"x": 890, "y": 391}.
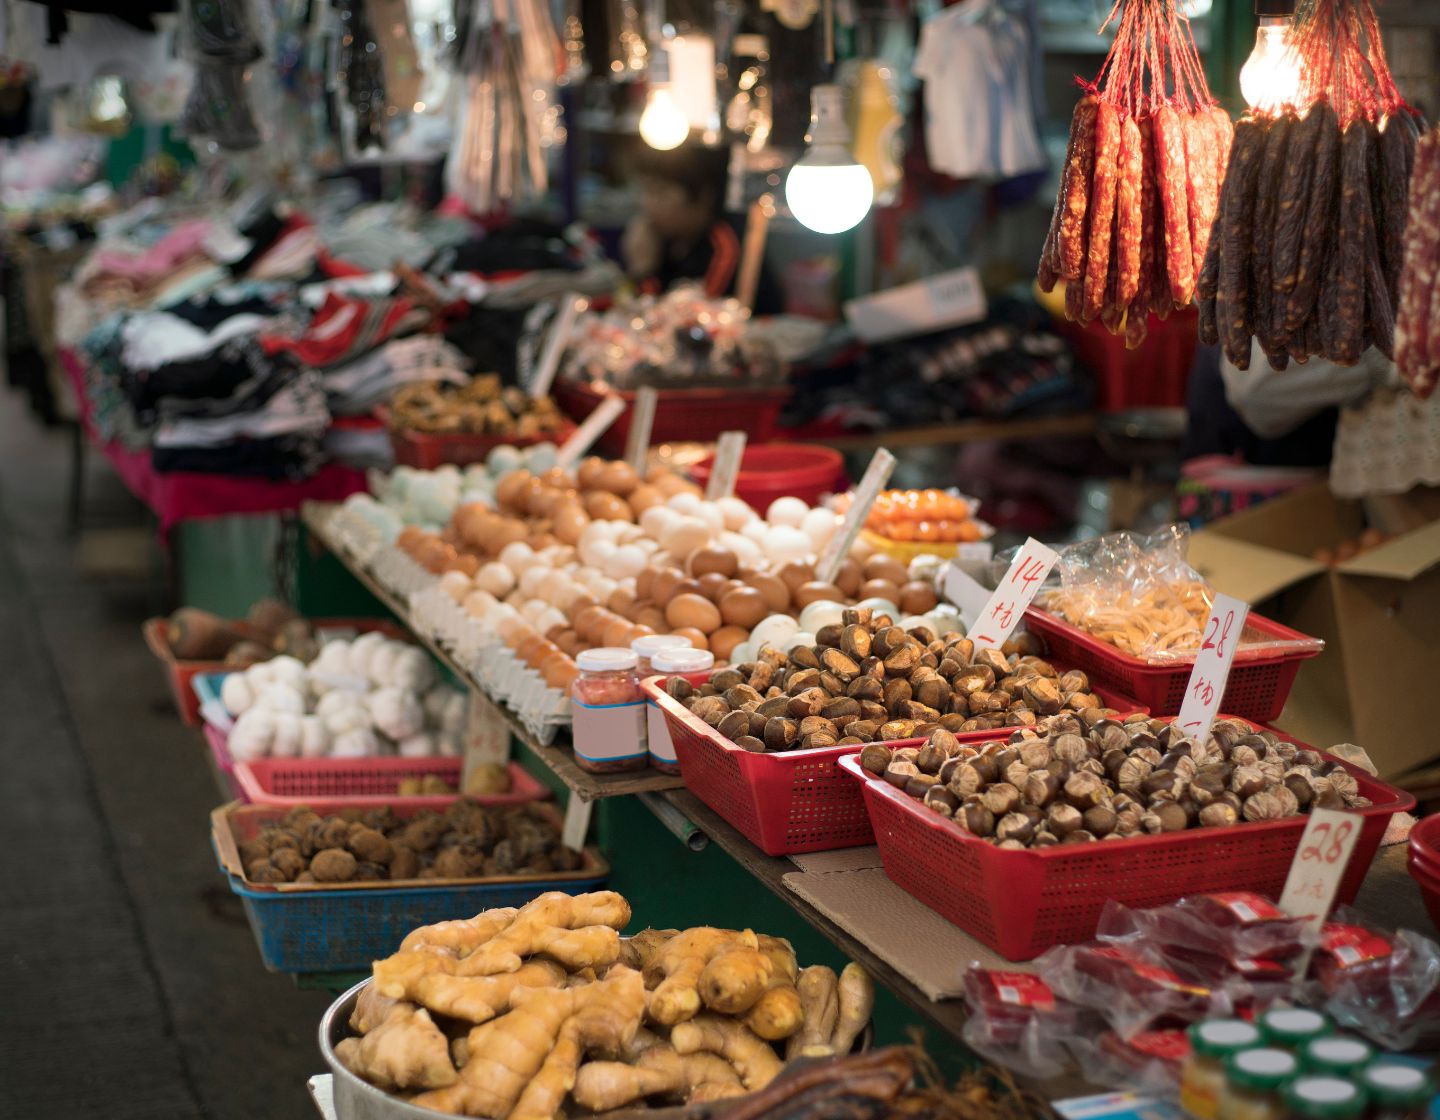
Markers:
{"x": 1140, "y": 188}
{"x": 1417, "y": 320}
{"x": 1306, "y": 257}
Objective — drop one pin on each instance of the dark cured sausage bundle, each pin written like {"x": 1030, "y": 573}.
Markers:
{"x": 1417, "y": 362}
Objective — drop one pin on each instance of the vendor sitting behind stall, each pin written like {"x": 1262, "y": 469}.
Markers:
{"x": 682, "y": 233}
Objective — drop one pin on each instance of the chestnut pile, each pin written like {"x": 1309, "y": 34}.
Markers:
{"x": 1112, "y": 780}
{"x": 467, "y": 841}
{"x": 867, "y": 680}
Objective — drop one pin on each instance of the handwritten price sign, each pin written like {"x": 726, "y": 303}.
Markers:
{"x": 999, "y": 617}
{"x": 1206, "y": 687}
{"x": 1320, "y": 863}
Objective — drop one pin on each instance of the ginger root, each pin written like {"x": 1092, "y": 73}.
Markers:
{"x": 478, "y": 999}
{"x": 601, "y": 1086}
{"x": 857, "y": 1003}
{"x": 751, "y": 1055}
{"x": 579, "y": 931}
{"x": 461, "y": 936}
{"x": 638, "y": 951}
{"x": 821, "y": 1002}
{"x": 733, "y": 981}
{"x": 778, "y": 1013}
{"x": 676, "y": 967}
{"x": 406, "y": 1051}
{"x": 371, "y": 1009}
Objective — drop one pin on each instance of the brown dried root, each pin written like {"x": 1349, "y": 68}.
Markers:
{"x": 579, "y": 931}
{"x": 406, "y": 1051}
{"x": 676, "y": 967}
{"x": 752, "y": 1056}
{"x": 478, "y": 999}
{"x": 601, "y": 1086}
{"x": 819, "y": 996}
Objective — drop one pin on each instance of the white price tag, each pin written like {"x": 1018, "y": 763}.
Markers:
{"x": 729, "y": 450}
{"x": 642, "y": 423}
{"x": 1003, "y": 611}
{"x": 965, "y": 591}
{"x": 1320, "y": 862}
{"x": 555, "y": 342}
{"x": 877, "y": 474}
{"x": 981, "y": 552}
{"x": 1206, "y": 686}
{"x": 956, "y": 297}
{"x": 591, "y": 430}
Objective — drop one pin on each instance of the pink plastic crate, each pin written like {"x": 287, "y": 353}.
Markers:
{"x": 330, "y": 784}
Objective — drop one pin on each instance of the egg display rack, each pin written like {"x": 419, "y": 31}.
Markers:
{"x": 401, "y": 585}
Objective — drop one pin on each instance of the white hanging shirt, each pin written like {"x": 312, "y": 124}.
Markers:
{"x": 975, "y": 60}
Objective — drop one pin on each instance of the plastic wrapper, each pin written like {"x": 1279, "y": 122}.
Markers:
{"x": 1147, "y": 1062}
{"x": 1130, "y": 986}
{"x": 1384, "y": 986}
{"x": 1016, "y": 1021}
{"x": 1140, "y": 594}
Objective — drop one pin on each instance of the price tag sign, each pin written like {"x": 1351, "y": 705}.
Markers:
{"x": 1320, "y": 862}
{"x": 877, "y": 474}
{"x": 1002, "y": 613}
{"x": 487, "y": 735}
{"x": 1206, "y": 687}
{"x": 555, "y": 342}
{"x": 642, "y": 423}
{"x": 965, "y": 591}
{"x": 729, "y": 450}
{"x": 591, "y": 430}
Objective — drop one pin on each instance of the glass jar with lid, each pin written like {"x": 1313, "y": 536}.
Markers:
{"x": 1293, "y": 1027}
{"x": 1397, "y": 1092}
{"x": 1320, "y": 1097}
{"x": 1253, "y": 1081}
{"x": 675, "y": 659}
{"x": 647, "y": 646}
{"x": 1337, "y": 1055}
{"x": 608, "y": 709}
{"x": 1202, "y": 1077}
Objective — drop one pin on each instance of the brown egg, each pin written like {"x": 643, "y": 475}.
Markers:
{"x": 619, "y": 478}
{"x": 712, "y": 558}
{"x": 744, "y": 607}
{"x": 509, "y": 488}
{"x": 465, "y": 562}
{"x": 569, "y": 641}
{"x": 916, "y": 597}
{"x": 724, "y": 641}
{"x": 559, "y": 671}
{"x": 507, "y": 530}
{"x": 688, "y": 587}
{"x": 644, "y": 583}
{"x": 588, "y": 476}
{"x": 668, "y": 482}
{"x": 814, "y": 591}
{"x": 880, "y": 589}
{"x": 569, "y": 522}
{"x": 590, "y": 622}
{"x": 652, "y": 618}
{"x": 621, "y": 602}
{"x": 711, "y": 585}
{"x": 881, "y": 566}
{"x": 795, "y": 573}
{"x": 663, "y": 585}
{"x": 544, "y": 502}
{"x": 849, "y": 578}
{"x": 643, "y": 497}
{"x": 604, "y": 506}
{"x": 695, "y": 611}
{"x": 697, "y": 639}
{"x": 729, "y": 586}
{"x": 411, "y": 537}
{"x": 531, "y": 496}
{"x": 774, "y": 591}
{"x": 559, "y": 478}
{"x": 617, "y": 633}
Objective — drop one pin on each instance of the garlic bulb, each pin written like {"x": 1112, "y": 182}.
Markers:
{"x": 396, "y": 712}
{"x": 314, "y": 737}
{"x": 252, "y": 735}
{"x": 287, "y": 739}
{"x": 236, "y": 693}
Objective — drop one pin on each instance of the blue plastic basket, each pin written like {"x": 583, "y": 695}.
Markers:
{"x": 346, "y": 930}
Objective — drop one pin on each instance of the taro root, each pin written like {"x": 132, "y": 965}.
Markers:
{"x": 333, "y": 865}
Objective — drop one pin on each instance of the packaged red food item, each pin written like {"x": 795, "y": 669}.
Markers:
{"x": 1130, "y": 986}
{"x": 1386, "y": 987}
{"x": 1146, "y": 1062}
{"x": 1016, "y": 1020}
{"x": 1233, "y": 925}
{"x": 1353, "y": 956}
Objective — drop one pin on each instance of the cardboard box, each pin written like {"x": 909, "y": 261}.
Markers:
{"x": 1378, "y": 614}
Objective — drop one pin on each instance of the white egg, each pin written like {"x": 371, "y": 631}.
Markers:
{"x": 755, "y": 530}
{"x": 787, "y": 511}
{"x": 549, "y": 619}
{"x": 946, "y": 613}
{"x": 552, "y": 584}
{"x": 532, "y": 579}
{"x": 557, "y": 555}
{"x": 594, "y": 531}
{"x": 597, "y": 553}
{"x": 499, "y": 613}
{"x": 657, "y": 519}
{"x": 684, "y": 537}
{"x": 478, "y": 603}
{"x": 742, "y": 653}
{"x": 736, "y": 512}
{"x": 627, "y": 562}
{"x": 798, "y": 639}
{"x": 745, "y": 550}
{"x": 628, "y": 533}
{"x": 820, "y": 525}
{"x": 603, "y": 588}
{"x": 881, "y": 606}
{"x": 772, "y": 631}
{"x": 910, "y": 621}
{"x": 712, "y": 515}
{"x": 490, "y": 579}
{"x": 685, "y": 502}
{"x": 541, "y": 457}
{"x": 532, "y": 609}
{"x": 503, "y": 460}
{"x": 455, "y": 584}
{"x": 517, "y": 556}
{"x": 784, "y": 543}
{"x": 822, "y": 612}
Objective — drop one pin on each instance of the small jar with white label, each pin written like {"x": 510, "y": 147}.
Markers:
{"x": 647, "y": 646}
{"x": 609, "y": 712}
{"x": 677, "y": 659}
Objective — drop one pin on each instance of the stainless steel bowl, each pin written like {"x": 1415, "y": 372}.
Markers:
{"x": 356, "y": 1098}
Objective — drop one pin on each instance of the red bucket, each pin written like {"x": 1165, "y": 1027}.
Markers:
{"x": 780, "y": 470}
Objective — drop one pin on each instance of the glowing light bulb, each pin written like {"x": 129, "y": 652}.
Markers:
{"x": 663, "y": 124}
{"x": 1270, "y": 78}
{"x": 828, "y": 190}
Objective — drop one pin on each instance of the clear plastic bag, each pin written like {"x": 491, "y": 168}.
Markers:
{"x": 1385, "y": 986}
{"x": 1140, "y": 594}
{"x": 1016, "y": 1021}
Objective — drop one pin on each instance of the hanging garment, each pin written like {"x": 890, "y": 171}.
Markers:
{"x": 975, "y": 60}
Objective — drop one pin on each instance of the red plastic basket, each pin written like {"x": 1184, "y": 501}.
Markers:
{"x": 778, "y": 470}
{"x": 428, "y": 450}
{"x": 1258, "y": 687}
{"x": 1021, "y": 903}
{"x": 680, "y": 414}
{"x": 328, "y": 785}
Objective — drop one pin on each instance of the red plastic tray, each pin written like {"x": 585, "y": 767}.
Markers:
{"x": 1259, "y": 684}
{"x": 328, "y": 785}
{"x": 778, "y": 470}
{"x": 680, "y": 414}
{"x": 1021, "y": 903}
{"x": 428, "y": 450}
{"x": 785, "y": 803}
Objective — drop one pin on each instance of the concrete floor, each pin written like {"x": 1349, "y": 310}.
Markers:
{"x": 133, "y": 987}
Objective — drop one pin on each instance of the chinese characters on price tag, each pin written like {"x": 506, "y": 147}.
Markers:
{"x": 1206, "y": 687}
{"x": 1320, "y": 863}
{"x": 999, "y": 617}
